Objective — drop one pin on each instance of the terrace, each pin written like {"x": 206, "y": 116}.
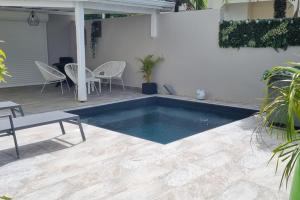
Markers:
{"x": 220, "y": 163}
{"x": 213, "y": 153}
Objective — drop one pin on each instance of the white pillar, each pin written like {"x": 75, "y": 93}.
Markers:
{"x": 79, "y": 21}
{"x": 154, "y": 31}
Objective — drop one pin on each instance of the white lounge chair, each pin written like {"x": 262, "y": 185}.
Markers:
{"x": 51, "y": 75}
{"x": 71, "y": 70}
{"x": 111, "y": 71}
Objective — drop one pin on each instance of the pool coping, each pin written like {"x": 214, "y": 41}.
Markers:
{"x": 170, "y": 97}
{"x": 182, "y": 98}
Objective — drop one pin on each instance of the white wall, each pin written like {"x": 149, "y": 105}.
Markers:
{"x": 60, "y": 37}
{"x": 123, "y": 39}
{"x": 189, "y": 43}
{"x": 24, "y": 44}
{"x": 215, "y": 4}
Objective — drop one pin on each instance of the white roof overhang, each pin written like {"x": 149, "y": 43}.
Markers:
{"x": 122, "y": 6}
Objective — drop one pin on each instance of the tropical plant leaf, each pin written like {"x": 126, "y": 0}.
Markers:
{"x": 281, "y": 110}
{"x": 3, "y": 69}
{"x": 5, "y": 198}
{"x": 2, "y": 54}
{"x": 148, "y": 63}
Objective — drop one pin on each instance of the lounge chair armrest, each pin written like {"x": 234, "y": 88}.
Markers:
{"x": 5, "y": 116}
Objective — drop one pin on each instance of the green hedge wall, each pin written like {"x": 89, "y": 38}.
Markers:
{"x": 276, "y": 33}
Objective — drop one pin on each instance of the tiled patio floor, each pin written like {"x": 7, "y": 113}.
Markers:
{"x": 217, "y": 164}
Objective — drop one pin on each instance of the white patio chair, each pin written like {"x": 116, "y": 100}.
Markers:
{"x": 110, "y": 71}
{"x": 71, "y": 70}
{"x": 51, "y": 75}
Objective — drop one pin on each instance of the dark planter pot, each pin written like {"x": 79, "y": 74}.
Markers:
{"x": 149, "y": 88}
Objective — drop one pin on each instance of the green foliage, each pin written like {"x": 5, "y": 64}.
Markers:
{"x": 281, "y": 107}
{"x": 275, "y": 33}
{"x": 148, "y": 63}
{"x": 191, "y": 4}
{"x": 5, "y": 198}
{"x": 199, "y": 4}
{"x": 3, "y": 68}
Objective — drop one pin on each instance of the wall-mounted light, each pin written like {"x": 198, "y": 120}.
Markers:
{"x": 33, "y": 19}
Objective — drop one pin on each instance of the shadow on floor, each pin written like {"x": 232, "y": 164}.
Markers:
{"x": 35, "y": 149}
{"x": 260, "y": 138}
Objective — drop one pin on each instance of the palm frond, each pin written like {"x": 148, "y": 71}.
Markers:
{"x": 148, "y": 63}
{"x": 281, "y": 110}
{"x": 199, "y": 4}
{"x": 3, "y": 69}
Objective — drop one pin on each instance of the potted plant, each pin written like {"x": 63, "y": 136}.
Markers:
{"x": 281, "y": 110}
{"x": 148, "y": 63}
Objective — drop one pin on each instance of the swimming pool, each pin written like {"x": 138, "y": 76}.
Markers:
{"x": 160, "y": 119}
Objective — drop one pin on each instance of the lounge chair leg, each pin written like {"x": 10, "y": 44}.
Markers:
{"x": 81, "y": 129}
{"x": 13, "y": 112}
{"x": 21, "y": 111}
{"x": 16, "y": 143}
{"x": 62, "y": 128}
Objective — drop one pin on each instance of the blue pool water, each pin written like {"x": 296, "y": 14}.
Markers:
{"x": 161, "y": 120}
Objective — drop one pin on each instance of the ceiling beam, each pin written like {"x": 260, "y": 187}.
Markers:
{"x": 106, "y": 8}
{"x": 154, "y": 4}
